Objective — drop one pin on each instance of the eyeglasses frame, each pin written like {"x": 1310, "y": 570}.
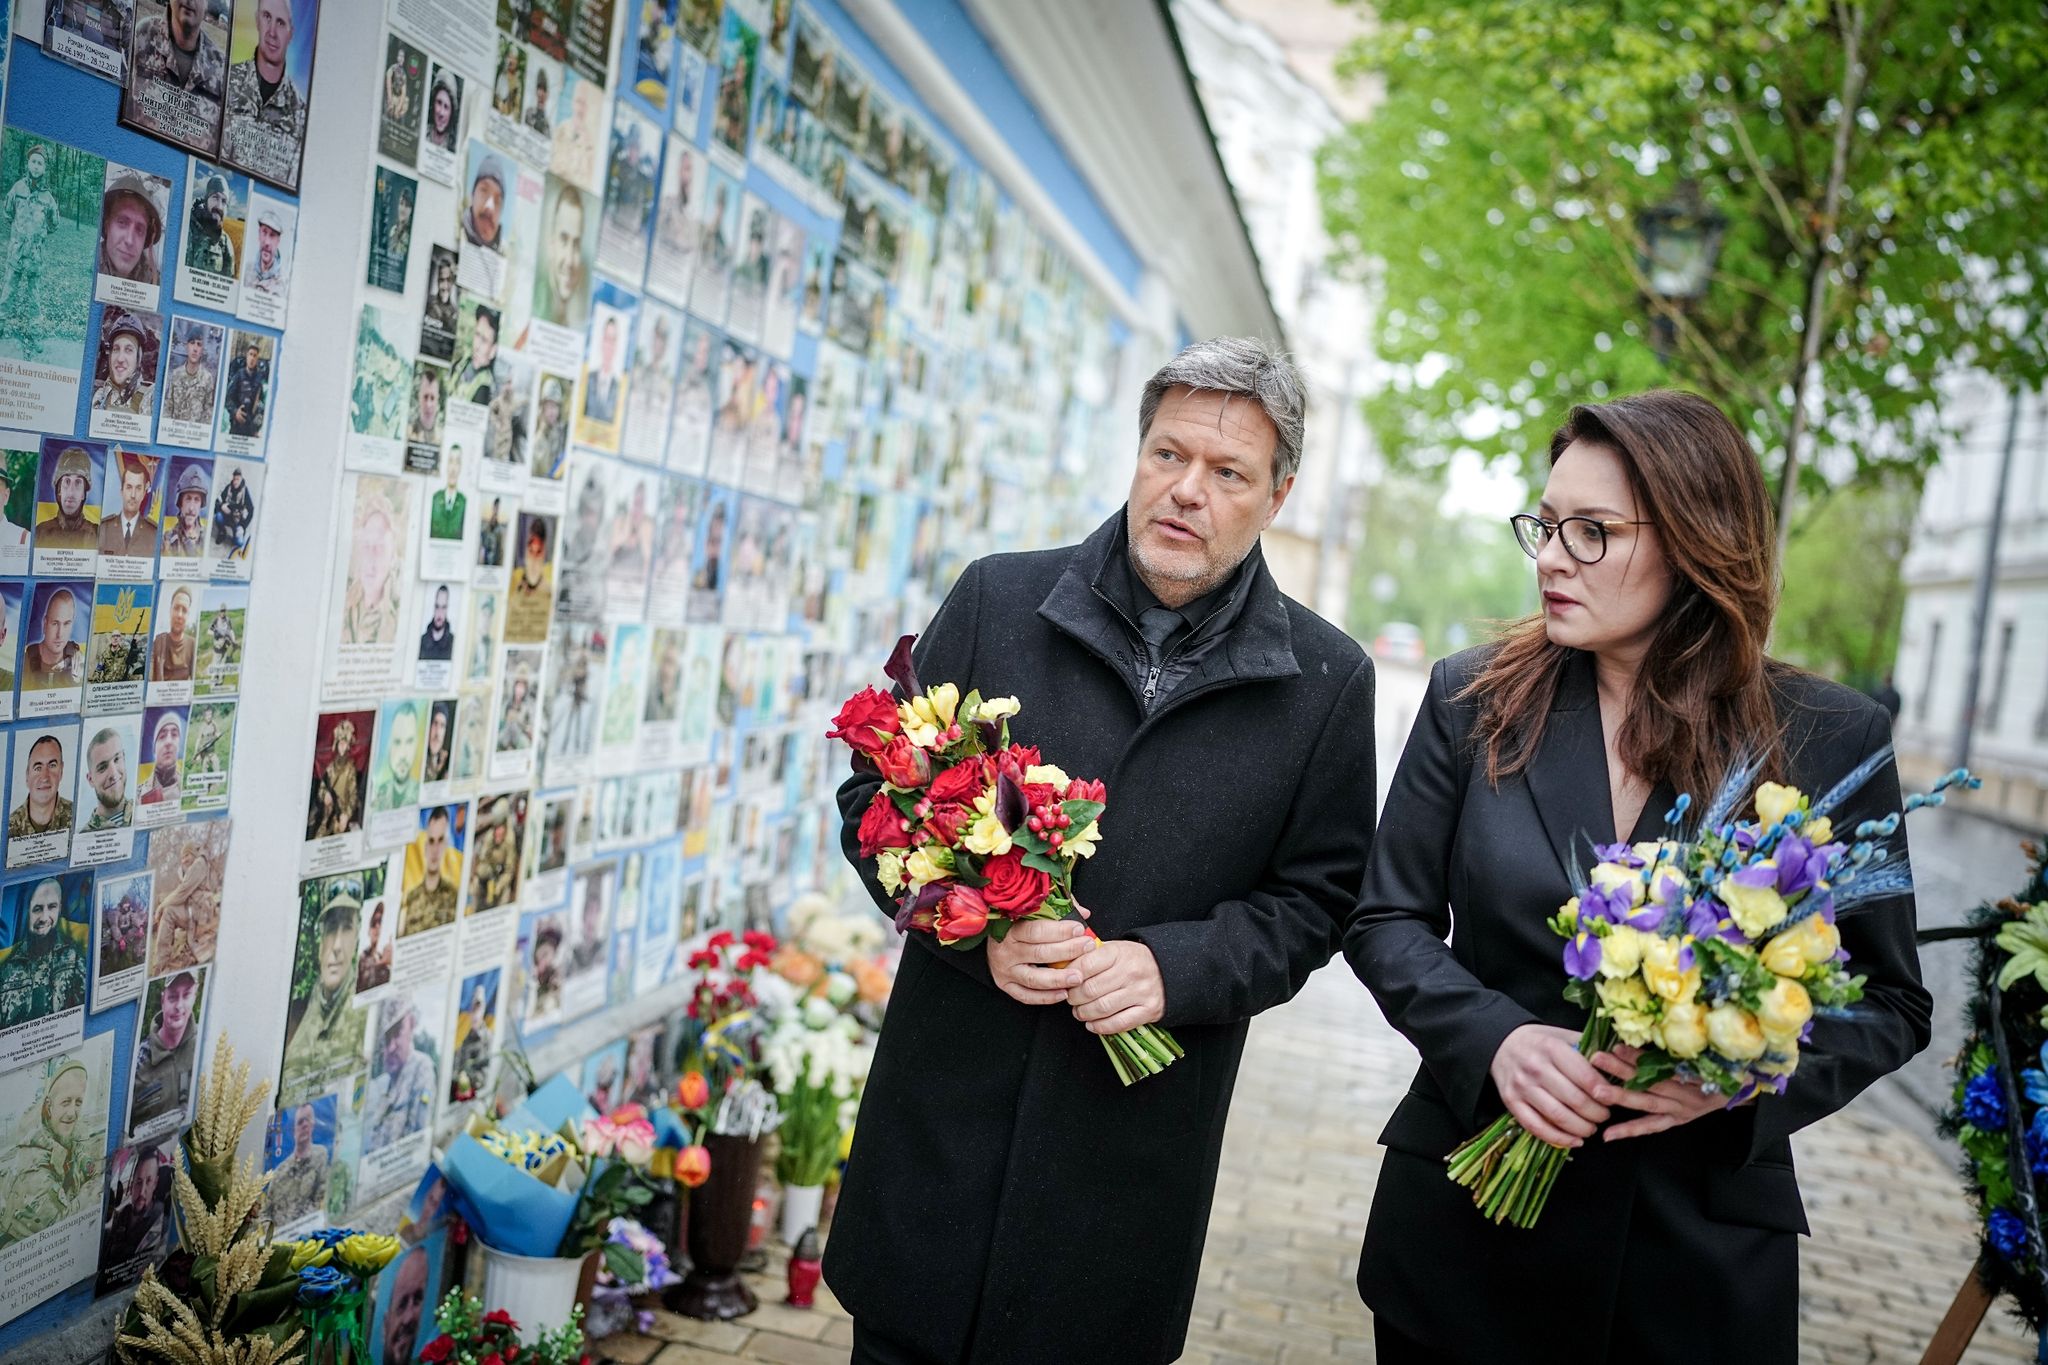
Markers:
{"x": 1551, "y": 528}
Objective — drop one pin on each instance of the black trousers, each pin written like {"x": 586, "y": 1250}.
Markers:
{"x": 1390, "y": 1346}
{"x": 871, "y": 1349}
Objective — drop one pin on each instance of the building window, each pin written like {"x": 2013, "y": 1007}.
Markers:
{"x": 1926, "y": 697}
{"x": 1996, "y": 705}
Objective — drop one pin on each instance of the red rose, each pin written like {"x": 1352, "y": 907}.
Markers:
{"x": 438, "y": 1350}
{"x": 962, "y": 782}
{"x": 1038, "y": 794}
{"x": 492, "y": 1359}
{"x": 500, "y": 1315}
{"x": 963, "y": 914}
{"x": 881, "y": 826}
{"x": 868, "y": 721}
{"x": 1087, "y": 789}
{"x": 946, "y": 822}
{"x": 1013, "y": 888}
{"x": 903, "y": 764}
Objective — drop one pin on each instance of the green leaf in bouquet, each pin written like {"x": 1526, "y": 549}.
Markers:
{"x": 1996, "y": 1177}
{"x": 967, "y": 870}
{"x": 1081, "y": 812}
{"x": 1045, "y": 863}
{"x": 905, "y": 801}
{"x": 2026, "y": 939}
{"x": 627, "y": 1266}
{"x": 1653, "y": 1066}
{"x": 1582, "y": 994}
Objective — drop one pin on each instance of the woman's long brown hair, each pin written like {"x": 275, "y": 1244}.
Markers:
{"x": 1704, "y": 693}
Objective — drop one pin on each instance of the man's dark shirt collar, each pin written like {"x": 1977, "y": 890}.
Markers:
{"x": 1127, "y": 591}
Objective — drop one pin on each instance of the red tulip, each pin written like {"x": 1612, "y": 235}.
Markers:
{"x": 693, "y": 1091}
{"x": 963, "y": 914}
{"x": 903, "y": 765}
{"x": 693, "y": 1166}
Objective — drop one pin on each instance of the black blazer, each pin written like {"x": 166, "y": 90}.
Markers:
{"x": 1715, "y": 1199}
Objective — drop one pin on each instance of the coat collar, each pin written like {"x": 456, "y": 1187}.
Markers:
{"x": 1260, "y": 644}
{"x": 1568, "y": 778}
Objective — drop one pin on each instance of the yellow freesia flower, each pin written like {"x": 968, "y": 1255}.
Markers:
{"x": 923, "y": 869}
{"x": 997, "y": 708}
{"x": 1081, "y": 843}
{"x": 986, "y": 837}
{"x": 1775, "y": 801}
{"x": 1621, "y": 952}
{"x": 1819, "y": 831}
{"x": 945, "y": 703}
{"x": 920, "y": 727}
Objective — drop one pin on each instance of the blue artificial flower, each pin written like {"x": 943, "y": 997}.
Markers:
{"x": 2037, "y": 1152}
{"x": 319, "y": 1283}
{"x": 1984, "y": 1102}
{"x": 2034, "y": 1084}
{"x": 2007, "y": 1233}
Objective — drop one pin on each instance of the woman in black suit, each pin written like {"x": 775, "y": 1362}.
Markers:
{"x": 1669, "y": 1236}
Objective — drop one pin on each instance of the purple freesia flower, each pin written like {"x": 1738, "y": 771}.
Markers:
{"x": 1581, "y": 956}
{"x": 1745, "y": 838}
{"x": 1801, "y": 866}
{"x": 1821, "y": 903}
{"x": 1756, "y": 874}
{"x": 1599, "y": 903}
{"x": 1617, "y": 853}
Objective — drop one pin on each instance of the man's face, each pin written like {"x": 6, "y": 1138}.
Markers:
{"x": 444, "y": 108}
{"x": 45, "y": 770}
{"x": 190, "y": 505}
{"x": 435, "y": 848}
{"x": 1202, "y": 492}
{"x": 181, "y": 611}
{"x": 45, "y": 905}
{"x": 437, "y": 732}
{"x": 536, "y": 552}
{"x": 374, "y": 553}
{"x": 122, "y": 358}
{"x": 177, "y": 1005}
{"x": 134, "y": 488}
{"x": 216, "y": 206}
{"x": 430, "y": 402}
{"x": 302, "y": 1128}
{"x": 67, "y": 1103}
{"x": 266, "y": 247}
{"x": 405, "y": 744}
{"x": 609, "y": 345}
{"x": 550, "y": 412}
{"x": 167, "y": 737}
{"x": 107, "y": 770}
{"x": 71, "y": 493}
{"x": 37, "y": 164}
{"x": 398, "y": 1046}
{"x": 127, "y": 233}
{"x": 185, "y": 22}
{"x": 335, "y": 951}
{"x": 484, "y": 344}
{"x": 565, "y": 248}
{"x": 453, "y": 468}
{"x": 408, "y": 1300}
{"x": 486, "y": 202}
{"x": 250, "y": 355}
{"x": 440, "y": 608}
{"x": 273, "y": 33}
{"x": 195, "y": 352}
{"x": 145, "y": 1182}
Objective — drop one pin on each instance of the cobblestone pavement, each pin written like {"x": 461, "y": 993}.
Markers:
{"x": 1892, "y": 1236}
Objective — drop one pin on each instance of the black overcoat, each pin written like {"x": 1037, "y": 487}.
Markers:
{"x": 1679, "y": 1246}
{"x": 1007, "y": 1201}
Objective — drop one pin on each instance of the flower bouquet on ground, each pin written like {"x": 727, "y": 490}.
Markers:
{"x": 818, "y": 1059}
{"x": 972, "y": 833}
{"x": 1710, "y": 951}
{"x": 470, "y": 1336}
{"x": 611, "y": 1301}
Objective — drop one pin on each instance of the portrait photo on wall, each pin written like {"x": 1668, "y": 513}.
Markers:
{"x": 69, "y": 490}
{"x": 441, "y": 131}
{"x": 10, "y": 644}
{"x": 45, "y": 957}
{"x": 208, "y": 769}
{"x": 118, "y": 657}
{"x": 189, "y": 865}
{"x": 341, "y": 773}
{"x": 123, "y": 403}
{"x": 191, "y": 383}
{"x": 128, "y": 516}
{"x": 162, "y": 798}
{"x": 237, "y": 495}
{"x": 324, "y": 1026}
{"x": 121, "y": 913}
{"x": 133, "y": 211}
{"x": 216, "y": 222}
{"x": 222, "y": 629}
{"x": 245, "y": 393}
{"x": 164, "y": 1084}
{"x": 298, "y": 1151}
{"x": 432, "y": 879}
{"x": 135, "y": 1229}
{"x": 494, "y": 863}
{"x": 48, "y": 277}
{"x": 53, "y": 658}
{"x": 269, "y": 84}
{"x": 91, "y": 37}
{"x": 177, "y": 72}
{"x": 105, "y": 830}
{"x": 267, "y": 266}
{"x": 188, "y": 489}
{"x": 53, "y": 1137}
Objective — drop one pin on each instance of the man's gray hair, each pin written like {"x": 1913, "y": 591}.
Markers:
{"x": 1250, "y": 366}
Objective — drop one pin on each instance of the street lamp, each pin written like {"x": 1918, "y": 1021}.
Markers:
{"x": 1680, "y": 242}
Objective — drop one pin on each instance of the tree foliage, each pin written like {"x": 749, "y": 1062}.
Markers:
{"x": 1839, "y": 609}
{"x": 1493, "y": 198}
{"x": 1453, "y": 577}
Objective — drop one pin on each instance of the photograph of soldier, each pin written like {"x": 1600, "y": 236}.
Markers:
{"x": 373, "y": 961}
{"x": 90, "y": 34}
{"x": 551, "y": 427}
{"x": 401, "y": 1093}
{"x": 561, "y": 287}
{"x": 433, "y": 870}
{"x": 119, "y": 652}
{"x": 651, "y": 385}
{"x": 472, "y": 736}
{"x": 234, "y": 514}
{"x": 17, "y": 509}
{"x": 10, "y": 636}
{"x": 506, "y": 419}
{"x": 438, "y": 323}
{"x": 55, "y": 659}
{"x": 494, "y": 867}
{"x": 517, "y": 704}
{"x": 544, "y": 973}
{"x": 174, "y": 651}
{"x": 540, "y": 96}
{"x": 404, "y": 1297}
{"x": 39, "y": 824}
{"x": 508, "y": 85}
{"x": 177, "y": 72}
{"x": 435, "y": 760}
{"x": 532, "y": 591}
{"x": 483, "y": 216}
{"x": 164, "y": 726}
{"x": 423, "y": 427}
{"x": 371, "y": 599}
{"x": 267, "y": 271}
{"x": 443, "y": 127}
{"x": 341, "y": 769}
{"x": 590, "y": 951}
{"x": 245, "y": 396}
{"x": 44, "y": 935}
{"x": 398, "y": 121}
{"x": 214, "y": 223}
{"x": 696, "y": 401}
{"x": 395, "y": 780}
{"x": 49, "y": 269}
{"x": 601, "y": 377}
{"x": 298, "y": 1151}
{"x": 476, "y": 1026}
{"x": 738, "y": 49}
{"x": 128, "y": 521}
{"x": 483, "y": 636}
{"x": 378, "y": 390}
{"x": 67, "y": 501}
{"x": 190, "y": 483}
{"x": 580, "y": 559}
{"x": 124, "y": 374}
{"x": 189, "y": 863}
{"x": 448, "y": 508}
{"x": 51, "y": 1168}
{"x": 391, "y": 229}
{"x": 135, "y": 1231}
{"x": 209, "y": 755}
{"x": 191, "y": 384}
{"x": 124, "y": 909}
{"x": 437, "y": 637}
{"x": 110, "y": 777}
{"x": 167, "y": 1056}
{"x": 269, "y": 78}
{"x": 324, "y": 1027}
{"x": 576, "y": 669}
{"x": 481, "y": 370}
{"x": 220, "y": 641}
{"x": 130, "y": 260}
{"x": 664, "y": 689}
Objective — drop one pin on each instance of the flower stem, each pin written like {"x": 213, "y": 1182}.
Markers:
{"x": 1509, "y": 1170}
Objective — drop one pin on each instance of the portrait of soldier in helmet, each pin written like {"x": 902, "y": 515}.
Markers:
{"x": 130, "y": 261}
{"x": 123, "y": 406}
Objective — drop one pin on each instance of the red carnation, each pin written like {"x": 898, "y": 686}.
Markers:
{"x": 722, "y": 939}
{"x": 964, "y": 781}
{"x": 759, "y": 941}
{"x": 867, "y": 722}
{"x": 903, "y": 764}
{"x": 1013, "y": 888}
{"x": 881, "y": 826}
{"x": 750, "y": 960}
{"x": 947, "y": 821}
{"x": 1087, "y": 789}
{"x": 963, "y": 914}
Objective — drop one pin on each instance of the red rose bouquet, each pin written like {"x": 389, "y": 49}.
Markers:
{"x": 972, "y": 833}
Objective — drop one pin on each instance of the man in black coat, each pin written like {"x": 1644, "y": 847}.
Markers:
{"x": 1008, "y": 1202}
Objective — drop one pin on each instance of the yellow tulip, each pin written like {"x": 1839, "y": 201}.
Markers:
{"x": 1683, "y": 1030}
{"x": 945, "y": 703}
{"x": 1735, "y": 1033}
{"x": 364, "y": 1254}
{"x": 1774, "y": 802}
{"x": 1784, "y": 1010}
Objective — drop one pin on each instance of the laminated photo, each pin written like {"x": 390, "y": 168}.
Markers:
{"x": 660, "y": 728}
{"x": 633, "y": 167}
{"x": 513, "y": 735}
{"x": 529, "y": 600}
{"x": 91, "y": 37}
{"x": 222, "y": 630}
{"x": 487, "y": 183}
{"x": 403, "y": 101}
{"x": 438, "y": 318}
{"x": 576, "y": 674}
{"x": 177, "y": 73}
{"x": 121, "y": 916}
{"x": 53, "y": 660}
{"x": 404, "y": 1319}
{"x": 494, "y": 867}
{"x": 267, "y": 270}
{"x": 675, "y": 524}
{"x": 340, "y": 786}
{"x": 237, "y": 494}
{"x": 20, "y": 461}
{"x": 432, "y": 880}
{"x": 486, "y": 611}
{"x": 191, "y": 383}
{"x": 130, "y": 262}
{"x": 585, "y": 961}
{"x": 374, "y": 952}
{"x": 434, "y": 660}
{"x": 135, "y": 1231}
{"x": 561, "y": 286}
{"x": 629, "y": 542}
{"x": 49, "y": 274}
{"x": 245, "y": 393}
{"x": 370, "y": 567}
{"x": 697, "y": 24}
{"x": 45, "y": 951}
{"x": 423, "y": 428}
{"x": 157, "y": 779}
{"x": 174, "y": 653}
{"x": 449, "y": 530}
{"x": 270, "y": 80}
{"x": 209, "y": 755}
{"x": 441, "y": 130}
{"x": 624, "y": 693}
{"x": 750, "y": 272}
{"x": 708, "y": 564}
{"x": 298, "y": 1153}
{"x": 391, "y": 215}
{"x": 165, "y": 1084}
{"x": 764, "y": 429}
{"x": 585, "y": 542}
{"x": 475, "y": 1036}
{"x": 437, "y": 758}
{"x": 105, "y": 831}
{"x": 548, "y": 851}
{"x": 128, "y": 517}
{"x": 603, "y": 1077}
{"x": 324, "y": 1026}
{"x": 718, "y": 232}
{"x": 53, "y": 1133}
{"x": 576, "y": 147}
{"x": 651, "y": 52}
{"x": 377, "y": 394}
{"x": 507, "y": 419}
{"x": 118, "y": 655}
{"x": 686, "y": 102}
{"x": 188, "y": 489}
{"x": 651, "y": 383}
{"x": 600, "y": 398}
{"x": 549, "y": 447}
{"x": 739, "y": 47}
{"x": 696, "y": 401}
{"x": 395, "y": 771}
{"x": 678, "y": 231}
{"x": 216, "y": 224}
{"x": 493, "y": 541}
{"x": 739, "y": 381}
{"x": 69, "y": 489}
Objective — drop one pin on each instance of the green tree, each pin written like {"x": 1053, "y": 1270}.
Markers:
{"x": 1493, "y": 198}
{"x": 1839, "y": 610}
{"x": 1450, "y": 576}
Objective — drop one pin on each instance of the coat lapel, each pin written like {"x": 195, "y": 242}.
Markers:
{"x": 1568, "y": 776}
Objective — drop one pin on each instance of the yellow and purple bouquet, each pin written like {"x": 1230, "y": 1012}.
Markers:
{"x": 1711, "y": 953}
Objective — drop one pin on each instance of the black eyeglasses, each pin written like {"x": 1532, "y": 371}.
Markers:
{"x": 1585, "y": 538}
